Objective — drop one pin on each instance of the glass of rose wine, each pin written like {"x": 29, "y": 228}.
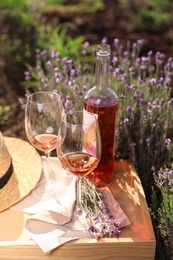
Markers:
{"x": 42, "y": 123}
{"x": 80, "y": 150}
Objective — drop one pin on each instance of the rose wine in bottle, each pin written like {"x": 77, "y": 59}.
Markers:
{"x": 103, "y": 101}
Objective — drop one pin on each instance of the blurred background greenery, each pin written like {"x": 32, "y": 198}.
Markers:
{"x": 24, "y": 25}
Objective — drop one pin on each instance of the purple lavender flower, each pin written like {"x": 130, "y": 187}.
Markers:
{"x": 117, "y": 73}
{"x": 151, "y": 69}
{"x": 27, "y": 75}
{"x": 134, "y": 54}
{"x": 144, "y": 63}
{"x": 68, "y": 103}
{"x": 138, "y": 62}
{"x": 116, "y": 42}
{"x": 168, "y": 144}
{"x": 148, "y": 140}
{"x": 131, "y": 88}
{"x": 149, "y": 54}
{"x": 84, "y": 89}
{"x": 57, "y": 80}
{"x": 122, "y": 96}
{"x": 167, "y": 82}
{"x": 142, "y": 101}
{"x": 140, "y": 43}
{"x": 159, "y": 58}
{"x": 49, "y": 64}
{"x": 101, "y": 204}
{"x": 106, "y": 210}
{"x": 125, "y": 53}
{"x": 69, "y": 63}
{"x": 129, "y": 109}
{"x": 72, "y": 111}
{"x": 73, "y": 73}
{"x": 149, "y": 111}
{"x": 153, "y": 81}
{"x": 170, "y": 102}
{"x": 54, "y": 54}
{"x": 126, "y": 121}
{"x": 161, "y": 80}
{"x": 134, "y": 46}
{"x": 96, "y": 219}
{"x": 104, "y": 40}
{"x": 114, "y": 60}
{"x": 124, "y": 78}
{"x": 139, "y": 80}
{"x": 132, "y": 145}
{"x": 117, "y": 232}
{"x": 132, "y": 71}
{"x": 85, "y": 45}
{"x": 92, "y": 229}
{"x": 43, "y": 54}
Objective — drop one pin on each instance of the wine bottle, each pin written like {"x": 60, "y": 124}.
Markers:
{"x": 103, "y": 101}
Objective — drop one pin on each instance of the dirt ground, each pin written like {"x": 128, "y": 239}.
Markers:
{"x": 113, "y": 22}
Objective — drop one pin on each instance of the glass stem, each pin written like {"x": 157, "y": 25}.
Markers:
{"x": 78, "y": 208}
{"x": 48, "y": 175}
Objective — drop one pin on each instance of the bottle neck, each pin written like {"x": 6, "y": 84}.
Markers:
{"x": 102, "y": 65}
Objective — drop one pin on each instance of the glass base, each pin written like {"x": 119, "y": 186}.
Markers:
{"x": 78, "y": 222}
{"x": 78, "y": 212}
{"x": 44, "y": 190}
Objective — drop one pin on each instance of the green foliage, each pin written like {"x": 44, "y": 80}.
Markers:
{"x": 19, "y": 39}
{"x": 66, "y": 5}
{"x": 152, "y": 15}
{"x": 13, "y": 4}
{"x": 18, "y": 34}
{"x": 5, "y": 113}
{"x": 55, "y": 2}
{"x": 57, "y": 39}
{"x": 160, "y": 3}
{"x": 154, "y": 18}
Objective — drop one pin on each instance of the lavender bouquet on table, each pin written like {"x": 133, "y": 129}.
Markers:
{"x": 101, "y": 222}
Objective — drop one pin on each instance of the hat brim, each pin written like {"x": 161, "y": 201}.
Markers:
{"x": 27, "y": 169}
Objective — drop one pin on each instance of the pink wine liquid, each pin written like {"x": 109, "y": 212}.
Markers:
{"x": 107, "y": 112}
{"x": 79, "y": 163}
{"x": 46, "y": 142}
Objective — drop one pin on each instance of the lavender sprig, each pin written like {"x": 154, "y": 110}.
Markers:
{"x": 100, "y": 220}
{"x": 163, "y": 214}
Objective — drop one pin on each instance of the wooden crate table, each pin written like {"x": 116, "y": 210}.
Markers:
{"x": 137, "y": 241}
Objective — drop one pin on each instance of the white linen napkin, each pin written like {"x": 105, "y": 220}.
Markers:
{"x": 52, "y": 223}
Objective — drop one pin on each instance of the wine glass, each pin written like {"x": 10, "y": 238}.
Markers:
{"x": 42, "y": 121}
{"x": 80, "y": 150}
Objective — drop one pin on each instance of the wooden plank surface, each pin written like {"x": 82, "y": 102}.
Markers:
{"x": 136, "y": 242}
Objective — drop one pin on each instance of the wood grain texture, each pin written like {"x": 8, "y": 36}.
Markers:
{"x": 137, "y": 241}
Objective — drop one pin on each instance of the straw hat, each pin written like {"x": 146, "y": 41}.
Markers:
{"x": 20, "y": 170}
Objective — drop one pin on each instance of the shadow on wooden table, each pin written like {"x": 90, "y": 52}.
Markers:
{"x": 128, "y": 191}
